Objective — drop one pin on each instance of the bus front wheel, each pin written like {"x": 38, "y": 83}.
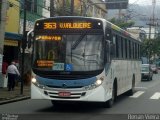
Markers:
{"x": 55, "y": 103}
{"x": 109, "y": 103}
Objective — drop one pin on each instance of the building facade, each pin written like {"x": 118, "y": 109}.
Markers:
{"x": 12, "y": 32}
{"x": 96, "y": 9}
{"x": 12, "y": 20}
{"x": 3, "y": 8}
{"x": 34, "y": 11}
{"x": 12, "y": 36}
{"x": 143, "y": 33}
{"x": 92, "y": 8}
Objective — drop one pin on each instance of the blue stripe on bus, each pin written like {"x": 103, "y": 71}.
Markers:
{"x": 68, "y": 83}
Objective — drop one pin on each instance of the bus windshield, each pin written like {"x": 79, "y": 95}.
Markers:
{"x": 68, "y": 52}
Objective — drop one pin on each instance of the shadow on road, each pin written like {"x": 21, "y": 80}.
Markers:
{"x": 82, "y": 107}
{"x": 74, "y": 108}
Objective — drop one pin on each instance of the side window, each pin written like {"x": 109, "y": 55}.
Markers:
{"x": 132, "y": 44}
{"x": 117, "y": 47}
{"x": 113, "y": 46}
{"x": 122, "y": 47}
{"x": 126, "y": 48}
{"x": 134, "y": 52}
{"x": 129, "y": 42}
{"x": 139, "y": 51}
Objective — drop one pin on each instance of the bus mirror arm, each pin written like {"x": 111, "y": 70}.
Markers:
{"x": 29, "y": 38}
{"x": 112, "y": 49}
{"x": 108, "y": 50}
{"x": 107, "y": 46}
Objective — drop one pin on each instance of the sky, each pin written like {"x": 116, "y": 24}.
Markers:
{"x": 144, "y": 2}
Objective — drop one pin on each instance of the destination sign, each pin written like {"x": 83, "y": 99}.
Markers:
{"x": 67, "y": 25}
{"x": 49, "y": 37}
{"x": 44, "y": 63}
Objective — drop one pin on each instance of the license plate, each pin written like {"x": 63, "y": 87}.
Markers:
{"x": 64, "y": 94}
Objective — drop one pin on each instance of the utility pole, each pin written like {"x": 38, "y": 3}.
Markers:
{"x": 152, "y": 23}
{"x": 64, "y": 8}
{"x": 52, "y": 9}
{"x": 2, "y": 23}
{"x": 152, "y": 20}
{"x": 119, "y": 14}
{"x": 154, "y": 4}
{"x": 149, "y": 45}
{"x": 3, "y": 12}
{"x": 84, "y": 8}
{"x": 72, "y": 7}
{"x": 23, "y": 45}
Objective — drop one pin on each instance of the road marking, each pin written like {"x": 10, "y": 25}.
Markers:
{"x": 137, "y": 94}
{"x": 155, "y": 96}
{"x": 141, "y": 88}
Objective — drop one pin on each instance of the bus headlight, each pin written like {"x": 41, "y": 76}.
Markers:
{"x": 35, "y": 82}
{"x": 96, "y": 84}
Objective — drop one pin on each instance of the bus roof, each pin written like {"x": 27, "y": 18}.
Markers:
{"x": 109, "y": 24}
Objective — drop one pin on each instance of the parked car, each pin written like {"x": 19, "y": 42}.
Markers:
{"x": 146, "y": 72}
{"x": 154, "y": 68}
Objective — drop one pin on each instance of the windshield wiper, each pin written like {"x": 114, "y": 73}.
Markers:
{"x": 78, "y": 41}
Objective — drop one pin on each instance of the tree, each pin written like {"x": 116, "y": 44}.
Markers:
{"x": 145, "y": 48}
{"x": 150, "y": 48}
{"x": 122, "y": 23}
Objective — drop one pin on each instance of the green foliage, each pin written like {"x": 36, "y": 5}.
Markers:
{"x": 150, "y": 47}
{"x": 145, "y": 47}
{"x": 121, "y": 23}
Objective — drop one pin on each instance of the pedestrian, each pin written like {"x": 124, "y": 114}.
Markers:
{"x": 12, "y": 73}
{"x": 4, "y": 71}
{"x": 4, "y": 67}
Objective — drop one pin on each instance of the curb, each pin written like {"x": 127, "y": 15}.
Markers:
{"x": 14, "y": 100}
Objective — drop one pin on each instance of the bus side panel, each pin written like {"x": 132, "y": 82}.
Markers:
{"x": 123, "y": 72}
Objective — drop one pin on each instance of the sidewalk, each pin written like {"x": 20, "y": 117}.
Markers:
{"x": 12, "y": 96}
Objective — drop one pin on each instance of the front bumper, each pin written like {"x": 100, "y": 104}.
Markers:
{"x": 145, "y": 76}
{"x": 77, "y": 94}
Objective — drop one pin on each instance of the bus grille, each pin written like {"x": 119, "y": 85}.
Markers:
{"x": 74, "y": 95}
{"x": 51, "y": 86}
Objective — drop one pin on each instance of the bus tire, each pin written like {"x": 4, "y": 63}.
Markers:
{"x": 132, "y": 90}
{"x": 109, "y": 103}
{"x": 55, "y": 103}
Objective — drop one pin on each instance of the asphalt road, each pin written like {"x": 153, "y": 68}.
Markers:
{"x": 146, "y": 100}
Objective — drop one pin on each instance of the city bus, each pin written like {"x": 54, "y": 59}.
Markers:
{"x": 82, "y": 59}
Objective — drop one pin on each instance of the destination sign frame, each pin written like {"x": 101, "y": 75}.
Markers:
{"x": 67, "y": 24}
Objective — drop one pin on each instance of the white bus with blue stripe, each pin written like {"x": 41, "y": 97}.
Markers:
{"x": 82, "y": 59}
